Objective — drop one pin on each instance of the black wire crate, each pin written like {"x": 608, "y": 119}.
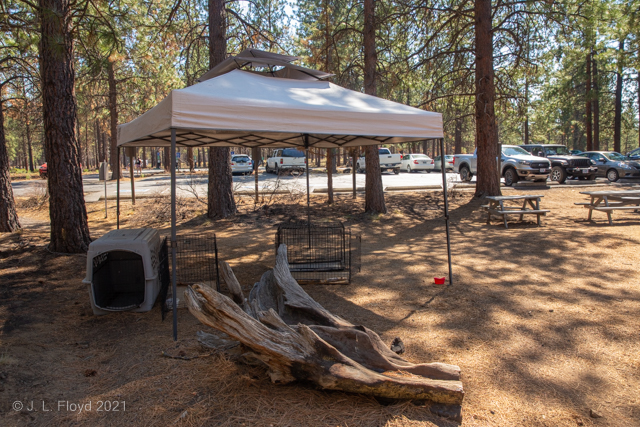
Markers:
{"x": 196, "y": 262}
{"x": 320, "y": 253}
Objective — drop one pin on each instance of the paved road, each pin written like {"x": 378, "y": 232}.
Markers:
{"x": 157, "y": 183}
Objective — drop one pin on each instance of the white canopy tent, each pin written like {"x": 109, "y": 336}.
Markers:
{"x": 245, "y": 109}
{"x": 250, "y": 109}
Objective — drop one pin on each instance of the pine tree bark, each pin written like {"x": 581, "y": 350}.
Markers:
{"x": 8, "y": 214}
{"x": 220, "y": 192}
{"x": 167, "y": 159}
{"x": 113, "y": 115}
{"x": 69, "y": 226}
{"x": 596, "y": 107}
{"x": 373, "y": 196}
{"x": 486, "y": 129}
{"x": 638, "y": 78}
{"x": 617, "y": 119}
{"x": 458, "y": 136}
{"x": 588, "y": 124}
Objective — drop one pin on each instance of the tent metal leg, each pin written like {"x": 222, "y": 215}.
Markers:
{"x": 173, "y": 235}
{"x": 306, "y": 146}
{"x": 443, "y": 168}
{"x": 117, "y": 190}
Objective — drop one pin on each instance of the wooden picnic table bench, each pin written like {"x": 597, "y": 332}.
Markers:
{"x": 496, "y": 207}
{"x": 611, "y": 200}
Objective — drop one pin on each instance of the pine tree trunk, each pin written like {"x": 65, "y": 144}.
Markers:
{"x": 220, "y": 193}
{"x": 8, "y": 215}
{"x": 69, "y": 227}
{"x": 190, "y": 158}
{"x": 486, "y": 128}
{"x": 638, "y": 78}
{"x": 458, "y": 136}
{"x": 374, "y": 196}
{"x": 596, "y": 107}
{"x": 167, "y": 159}
{"x": 588, "y": 125}
{"x": 617, "y": 120}
{"x": 113, "y": 115}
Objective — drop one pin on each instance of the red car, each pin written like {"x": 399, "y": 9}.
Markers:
{"x": 43, "y": 170}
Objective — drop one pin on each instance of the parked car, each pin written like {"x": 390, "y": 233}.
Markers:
{"x": 563, "y": 164}
{"x": 388, "y": 161}
{"x": 634, "y": 154}
{"x": 448, "y": 161}
{"x": 613, "y": 165}
{"x": 516, "y": 164}
{"x": 286, "y": 159}
{"x": 241, "y": 163}
{"x": 42, "y": 170}
{"x": 417, "y": 162}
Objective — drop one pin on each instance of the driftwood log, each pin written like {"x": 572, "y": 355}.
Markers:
{"x": 299, "y": 340}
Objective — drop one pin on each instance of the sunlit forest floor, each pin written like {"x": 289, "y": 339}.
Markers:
{"x": 544, "y": 322}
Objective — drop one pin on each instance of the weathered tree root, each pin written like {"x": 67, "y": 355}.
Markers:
{"x": 299, "y": 340}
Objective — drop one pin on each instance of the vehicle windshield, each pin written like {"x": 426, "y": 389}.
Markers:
{"x": 615, "y": 156}
{"x": 561, "y": 150}
{"x": 514, "y": 151}
{"x": 419, "y": 156}
{"x": 383, "y": 151}
{"x": 292, "y": 152}
{"x": 448, "y": 157}
{"x": 240, "y": 158}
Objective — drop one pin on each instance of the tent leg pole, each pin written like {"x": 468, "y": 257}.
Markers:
{"x": 306, "y": 161}
{"x": 173, "y": 235}
{"x": 354, "y": 154}
{"x": 443, "y": 168}
{"x": 117, "y": 190}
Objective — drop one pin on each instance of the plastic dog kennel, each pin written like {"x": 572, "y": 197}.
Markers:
{"x": 123, "y": 270}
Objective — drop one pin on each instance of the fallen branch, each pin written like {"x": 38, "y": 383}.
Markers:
{"x": 300, "y": 340}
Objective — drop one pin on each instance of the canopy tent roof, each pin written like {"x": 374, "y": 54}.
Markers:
{"x": 241, "y": 108}
{"x": 268, "y": 62}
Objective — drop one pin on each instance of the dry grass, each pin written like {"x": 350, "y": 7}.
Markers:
{"x": 543, "y": 321}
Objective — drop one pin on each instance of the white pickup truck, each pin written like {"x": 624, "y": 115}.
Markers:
{"x": 516, "y": 164}
{"x": 388, "y": 161}
{"x": 286, "y": 159}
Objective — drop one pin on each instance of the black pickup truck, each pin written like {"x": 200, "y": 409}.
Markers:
{"x": 563, "y": 163}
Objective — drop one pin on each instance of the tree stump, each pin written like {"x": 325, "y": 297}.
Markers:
{"x": 298, "y": 340}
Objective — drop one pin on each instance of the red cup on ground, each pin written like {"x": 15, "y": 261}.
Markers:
{"x": 439, "y": 280}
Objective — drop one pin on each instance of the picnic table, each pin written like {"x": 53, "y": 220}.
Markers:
{"x": 530, "y": 206}
{"x": 611, "y": 200}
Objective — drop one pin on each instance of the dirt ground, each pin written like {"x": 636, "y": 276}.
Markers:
{"x": 544, "y": 322}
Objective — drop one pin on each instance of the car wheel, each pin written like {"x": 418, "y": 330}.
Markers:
{"x": 558, "y": 174}
{"x": 409, "y": 169}
{"x": 612, "y": 175}
{"x": 510, "y": 177}
{"x": 396, "y": 171}
{"x": 592, "y": 177}
{"x": 465, "y": 174}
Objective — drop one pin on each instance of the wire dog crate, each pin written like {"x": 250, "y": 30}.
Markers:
{"x": 320, "y": 253}
{"x": 196, "y": 262}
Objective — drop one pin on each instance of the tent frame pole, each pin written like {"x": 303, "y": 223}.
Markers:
{"x": 306, "y": 161}
{"x": 117, "y": 190}
{"x": 174, "y": 242}
{"x": 443, "y": 169}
